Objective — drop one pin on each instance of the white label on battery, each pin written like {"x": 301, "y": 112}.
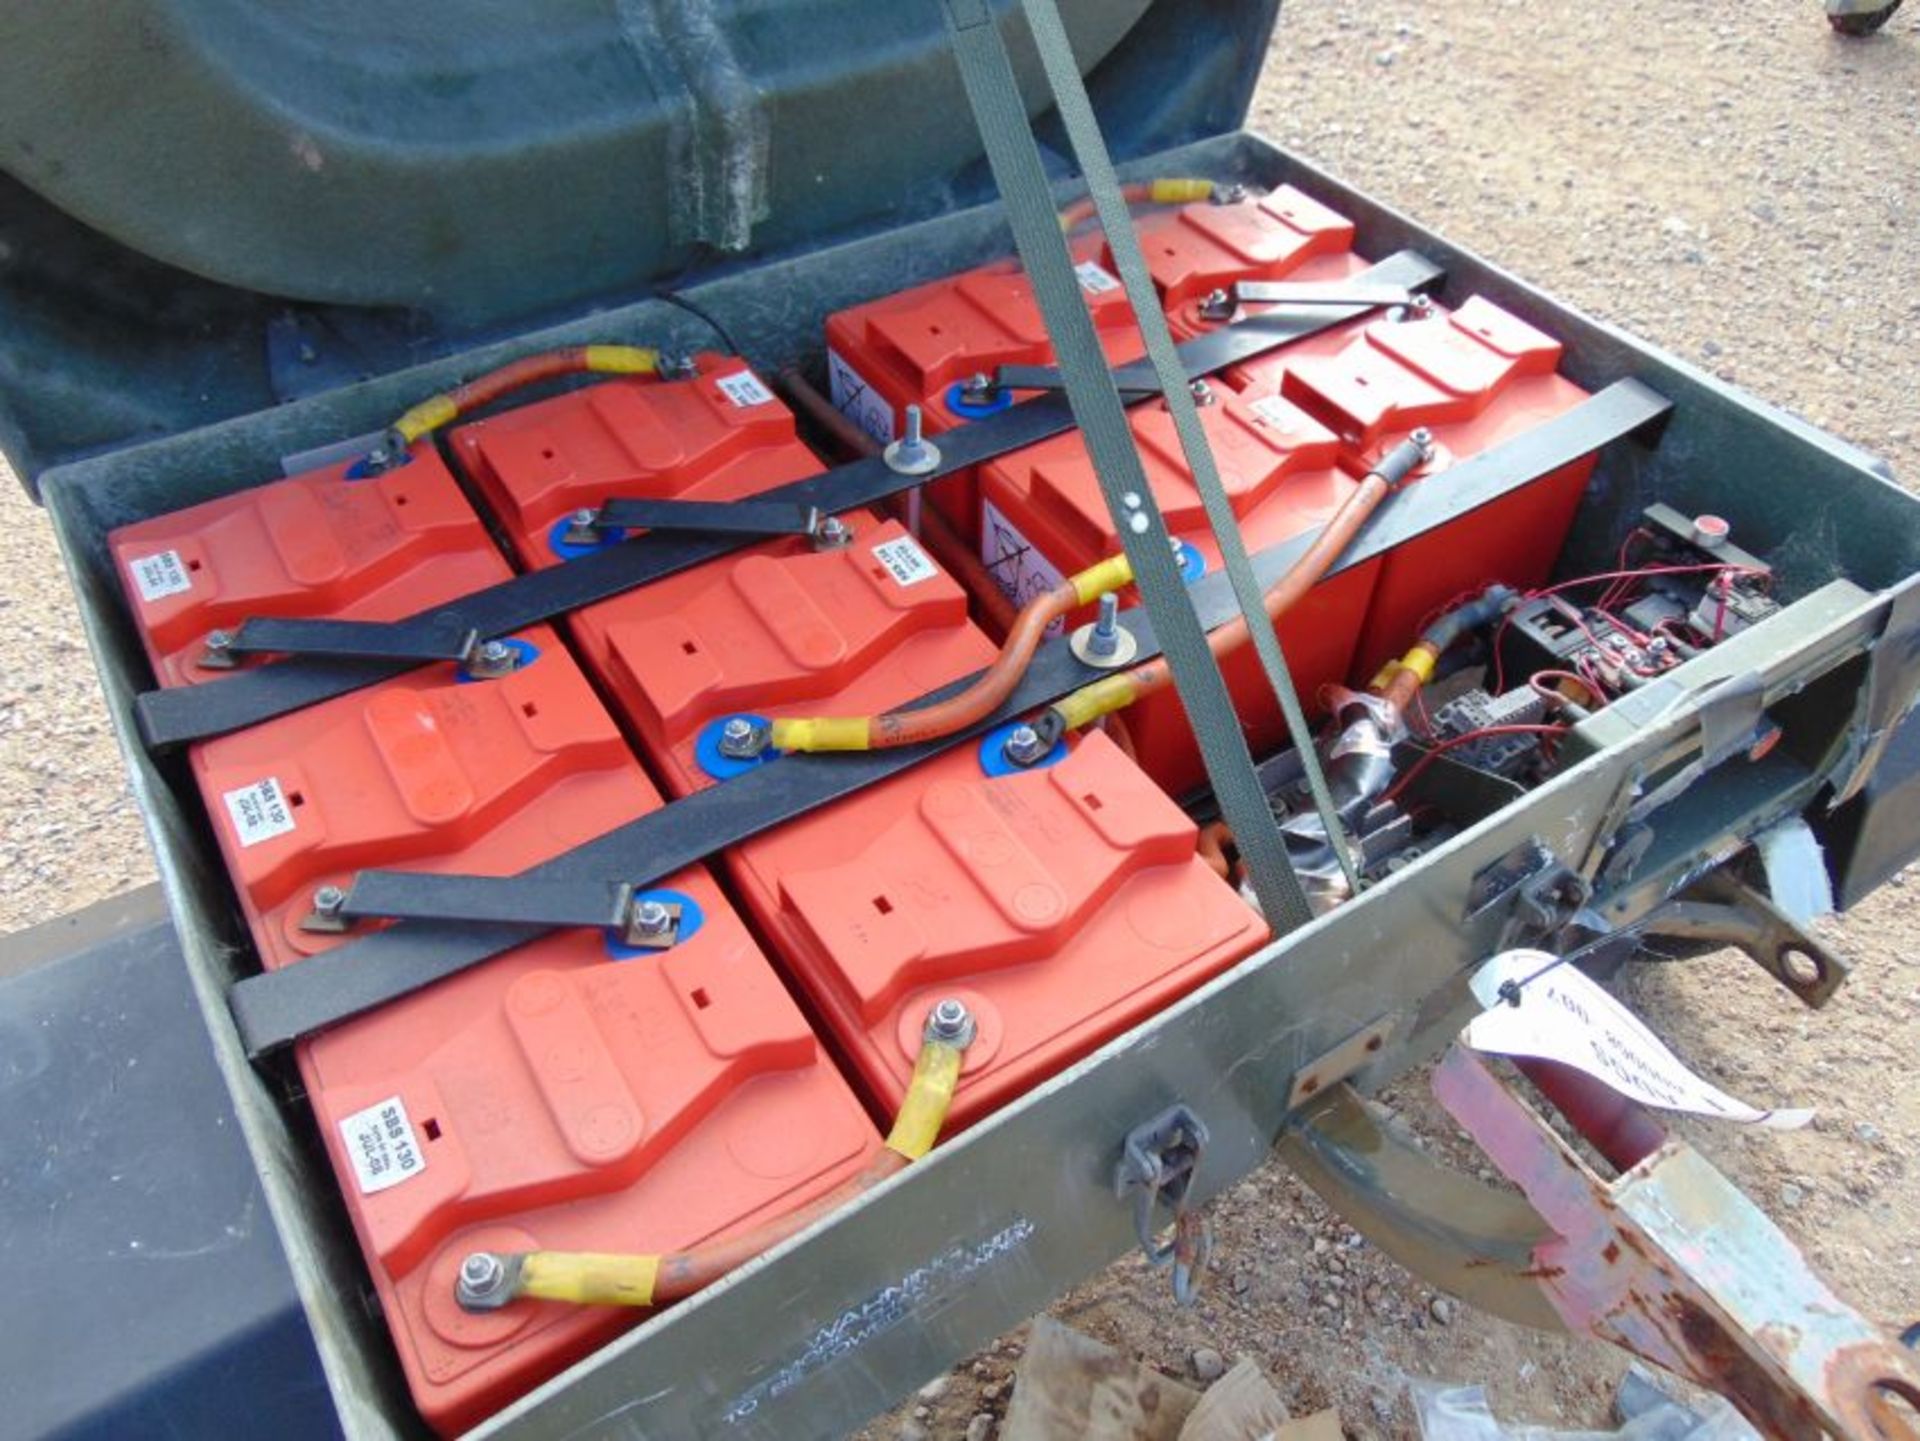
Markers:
{"x": 1017, "y": 568}
{"x": 743, "y": 387}
{"x": 382, "y": 1147}
{"x": 1278, "y": 413}
{"x": 259, "y": 812}
{"x": 857, "y": 400}
{"x": 905, "y": 561}
{"x": 159, "y": 576}
{"x": 1095, "y": 279}
{"x": 1565, "y": 1016}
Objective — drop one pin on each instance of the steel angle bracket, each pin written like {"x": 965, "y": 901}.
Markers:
{"x": 1673, "y": 1263}
{"x": 1722, "y": 907}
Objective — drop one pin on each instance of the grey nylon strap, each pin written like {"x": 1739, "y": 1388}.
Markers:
{"x": 994, "y": 96}
{"x": 1083, "y": 131}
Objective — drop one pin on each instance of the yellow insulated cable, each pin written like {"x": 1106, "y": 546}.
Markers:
{"x": 923, "y": 1110}
{"x": 595, "y": 1278}
{"x": 979, "y": 699}
{"x": 588, "y": 1278}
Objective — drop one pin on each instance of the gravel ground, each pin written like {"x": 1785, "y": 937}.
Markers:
{"x": 1728, "y": 181}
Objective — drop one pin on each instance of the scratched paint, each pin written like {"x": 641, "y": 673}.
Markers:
{"x": 913, "y": 1294}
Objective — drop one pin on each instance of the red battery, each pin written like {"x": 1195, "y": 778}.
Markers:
{"x": 1193, "y": 250}
{"x": 1063, "y": 904}
{"x": 331, "y": 542}
{"x": 786, "y": 631}
{"x": 919, "y": 347}
{"x": 780, "y": 630}
{"x": 1044, "y": 518}
{"x": 1474, "y": 378}
{"x": 721, "y": 434}
{"x": 430, "y": 771}
{"x": 573, "y": 1094}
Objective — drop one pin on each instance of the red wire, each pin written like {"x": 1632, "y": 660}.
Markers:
{"x": 1465, "y": 738}
{"x": 1724, "y": 568}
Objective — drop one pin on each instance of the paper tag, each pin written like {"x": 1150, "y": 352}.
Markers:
{"x": 1282, "y": 415}
{"x": 905, "y": 561}
{"x": 259, "y": 812}
{"x": 382, "y": 1147}
{"x": 857, "y": 400}
{"x": 159, "y": 576}
{"x": 743, "y": 387}
{"x": 1020, "y": 571}
{"x": 1566, "y": 1016}
{"x": 1094, "y": 278}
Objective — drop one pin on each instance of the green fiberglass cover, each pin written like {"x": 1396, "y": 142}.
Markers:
{"x": 214, "y": 205}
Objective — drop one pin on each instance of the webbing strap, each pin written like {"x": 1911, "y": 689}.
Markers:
{"x": 379, "y": 650}
{"x": 275, "y": 1008}
{"x": 986, "y": 71}
{"x": 1083, "y": 131}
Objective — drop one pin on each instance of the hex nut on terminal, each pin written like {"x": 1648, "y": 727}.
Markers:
{"x": 583, "y": 527}
{"x": 1024, "y": 746}
{"x": 219, "y": 652}
{"x": 952, "y": 1022}
{"x": 743, "y": 738}
{"x": 1218, "y": 304}
{"x": 485, "y": 1283}
{"x": 325, "y": 917}
{"x": 491, "y": 658}
{"x": 832, "y": 534}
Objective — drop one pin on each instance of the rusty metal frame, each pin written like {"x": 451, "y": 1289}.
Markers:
{"x": 1671, "y": 1261}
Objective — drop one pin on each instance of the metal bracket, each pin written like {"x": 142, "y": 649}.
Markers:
{"x": 1350, "y": 1056}
{"x": 1330, "y": 292}
{"x": 422, "y": 640}
{"x": 1539, "y": 892}
{"x": 1721, "y": 907}
{"x": 1670, "y": 1261}
{"x": 1130, "y": 380}
{"x": 1157, "y": 1163}
{"x": 1732, "y": 717}
{"x": 731, "y": 517}
{"x": 1893, "y": 684}
{"x": 512, "y": 900}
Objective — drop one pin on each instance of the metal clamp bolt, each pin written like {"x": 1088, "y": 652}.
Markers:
{"x": 1202, "y": 393}
{"x": 490, "y": 658}
{"x": 979, "y": 389}
{"x": 832, "y": 533}
{"x": 952, "y": 1022}
{"x": 325, "y": 917}
{"x": 219, "y": 652}
{"x": 913, "y": 453}
{"x": 388, "y": 451}
{"x": 583, "y": 527}
{"x": 1421, "y": 307}
{"x": 1103, "y": 642}
{"x": 1218, "y": 304}
{"x": 1025, "y": 746}
{"x": 743, "y": 738}
{"x": 485, "y": 1284}
{"x": 1227, "y": 193}
{"x": 1423, "y": 438}
{"x": 678, "y": 367}
{"x": 652, "y": 924}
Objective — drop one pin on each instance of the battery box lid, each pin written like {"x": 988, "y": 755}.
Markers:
{"x": 281, "y": 201}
